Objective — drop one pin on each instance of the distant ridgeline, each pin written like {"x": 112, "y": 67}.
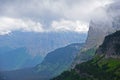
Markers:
{"x": 59, "y": 60}
{"x": 104, "y": 66}
{"x": 27, "y": 49}
{"x": 53, "y": 64}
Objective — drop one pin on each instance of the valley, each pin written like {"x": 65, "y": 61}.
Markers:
{"x": 60, "y": 40}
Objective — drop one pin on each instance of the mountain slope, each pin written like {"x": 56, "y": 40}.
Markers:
{"x": 36, "y": 45}
{"x": 104, "y": 66}
{"x": 111, "y": 45}
{"x": 59, "y": 60}
{"x": 97, "y": 69}
{"x": 16, "y": 59}
{"x": 105, "y": 21}
{"x": 54, "y": 63}
{"x": 22, "y": 74}
{"x": 8, "y": 61}
{"x": 40, "y": 43}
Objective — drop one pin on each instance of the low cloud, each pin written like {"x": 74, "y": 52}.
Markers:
{"x": 48, "y": 15}
{"x": 48, "y": 10}
{"x": 8, "y": 25}
{"x": 66, "y": 25}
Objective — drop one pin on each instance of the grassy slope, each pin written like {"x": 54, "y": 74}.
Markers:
{"x": 99, "y": 68}
{"x": 84, "y": 56}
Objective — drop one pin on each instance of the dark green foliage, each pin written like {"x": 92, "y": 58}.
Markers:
{"x": 72, "y": 76}
{"x": 85, "y": 55}
{"x": 98, "y": 68}
{"x": 90, "y": 52}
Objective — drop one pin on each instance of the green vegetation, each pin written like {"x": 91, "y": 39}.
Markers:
{"x": 90, "y": 52}
{"x": 99, "y": 68}
{"x": 85, "y": 55}
{"x": 102, "y": 66}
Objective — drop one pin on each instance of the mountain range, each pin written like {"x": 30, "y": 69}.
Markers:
{"x": 53, "y": 64}
{"x": 104, "y": 66}
{"x": 26, "y": 49}
{"x": 103, "y": 48}
{"x": 59, "y": 60}
{"x": 97, "y": 59}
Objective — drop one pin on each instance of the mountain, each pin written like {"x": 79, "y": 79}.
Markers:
{"x": 27, "y": 49}
{"x": 104, "y": 66}
{"x": 53, "y": 64}
{"x": 105, "y": 22}
{"x": 97, "y": 69}
{"x": 1, "y": 77}
{"x": 40, "y": 43}
{"x": 59, "y": 60}
{"x": 110, "y": 46}
{"x": 21, "y": 74}
{"x": 17, "y": 58}
{"x": 9, "y": 58}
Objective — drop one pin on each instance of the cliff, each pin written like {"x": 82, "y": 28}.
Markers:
{"x": 111, "y": 45}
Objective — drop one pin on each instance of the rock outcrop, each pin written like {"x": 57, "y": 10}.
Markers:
{"x": 110, "y": 46}
{"x": 105, "y": 21}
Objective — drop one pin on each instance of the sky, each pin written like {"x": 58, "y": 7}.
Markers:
{"x": 48, "y": 15}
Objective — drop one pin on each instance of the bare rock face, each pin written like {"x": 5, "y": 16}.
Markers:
{"x": 111, "y": 46}
{"x": 97, "y": 32}
{"x": 96, "y": 35}
{"x": 105, "y": 21}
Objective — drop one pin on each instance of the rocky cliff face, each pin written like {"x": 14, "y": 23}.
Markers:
{"x": 105, "y": 65}
{"x": 104, "y": 22}
{"x": 110, "y": 46}
{"x": 96, "y": 35}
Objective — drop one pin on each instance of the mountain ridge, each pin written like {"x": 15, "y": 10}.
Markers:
{"x": 107, "y": 22}
{"x": 37, "y": 45}
{"x": 54, "y": 63}
{"x": 103, "y": 66}
{"x": 110, "y": 46}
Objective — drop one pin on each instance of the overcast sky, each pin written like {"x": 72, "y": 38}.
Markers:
{"x": 48, "y": 15}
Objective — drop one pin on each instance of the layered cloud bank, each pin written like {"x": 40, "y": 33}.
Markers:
{"x": 66, "y": 25}
{"x": 48, "y": 15}
{"x": 8, "y": 25}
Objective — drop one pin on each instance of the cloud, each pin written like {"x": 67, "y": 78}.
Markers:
{"x": 49, "y": 9}
{"x": 8, "y": 25}
{"x": 46, "y": 15}
{"x": 66, "y": 25}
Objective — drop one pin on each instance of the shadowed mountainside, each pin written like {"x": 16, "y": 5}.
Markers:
{"x": 104, "y": 66}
